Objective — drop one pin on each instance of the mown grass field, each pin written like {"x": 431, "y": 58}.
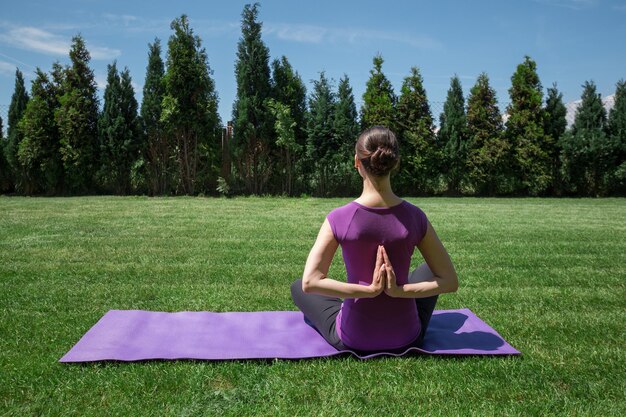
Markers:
{"x": 548, "y": 274}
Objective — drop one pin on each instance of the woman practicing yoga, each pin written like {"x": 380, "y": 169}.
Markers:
{"x": 384, "y": 307}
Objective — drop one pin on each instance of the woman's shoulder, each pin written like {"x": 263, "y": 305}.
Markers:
{"x": 419, "y": 219}
{"x": 346, "y": 209}
{"x": 412, "y": 207}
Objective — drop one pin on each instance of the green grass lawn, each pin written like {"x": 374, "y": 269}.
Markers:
{"x": 548, "y": 274}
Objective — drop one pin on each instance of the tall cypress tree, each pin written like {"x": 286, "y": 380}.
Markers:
{"x": 288, "y": 89}
{"x": 415, "y": 129}
{"x": 346, "y": 130}
{"x": 321, "y": 145}
{"x": 487, "y": 149}
{"x": 524, "y": 131}
{"x": 156, "y": 147}
{"x": 345, "y": 125}
{"x": 19, "y": 100}
{"x": 286, "y": 141}
{"x": 5, "y": 181}
{"x": 617, "y": 131}
{"x": 38, "y": 152}
{"x": 587, "y": 152}
{"x": 379, "y": 100}
{"x": 129, "y": 111}
{"x": 253, "y": 124}
{"x": 118, "y": 131}
{"x": 453, "y": 136}
{"x": 111, "y": 134}
{"x": 190, "y": 110}
{"x": 58, "y": 84}
{"x": 77, "y": 119}
{"x": 554, "y": 126}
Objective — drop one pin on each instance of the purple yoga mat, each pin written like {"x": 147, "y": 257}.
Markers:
{"x": 132, "y": 335}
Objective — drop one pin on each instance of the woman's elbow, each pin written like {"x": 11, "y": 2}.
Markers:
{"x": 310, "y": 281}
{"x": 453, "y": 284}
{"x": 307, "y": 284}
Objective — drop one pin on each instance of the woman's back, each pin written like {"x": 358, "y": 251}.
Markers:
{"x": 382, "y": 322}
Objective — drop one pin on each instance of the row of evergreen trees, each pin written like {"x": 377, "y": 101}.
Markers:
{"x": 286, "y": 142}
{"x": 60, "y": 143}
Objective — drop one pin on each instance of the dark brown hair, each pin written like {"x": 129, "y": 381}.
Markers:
{"x": 377, "y": 149}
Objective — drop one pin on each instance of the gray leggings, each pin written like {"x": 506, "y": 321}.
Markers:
{"x": 321, "y": 311}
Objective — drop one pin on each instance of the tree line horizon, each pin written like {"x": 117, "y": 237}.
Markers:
{"x": 287, "y": 141}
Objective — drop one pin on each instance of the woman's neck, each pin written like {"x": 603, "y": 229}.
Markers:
{"x": 378, "y": 192}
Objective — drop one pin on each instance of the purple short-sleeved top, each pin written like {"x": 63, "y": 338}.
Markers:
{"x": 381, "y": 322}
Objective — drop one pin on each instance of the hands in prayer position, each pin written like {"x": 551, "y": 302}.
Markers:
{"x": 384, "y": 278}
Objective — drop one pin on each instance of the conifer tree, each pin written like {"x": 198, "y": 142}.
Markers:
{"x": 285, "y": 126}
{"x": 453, "y": 136}
{"x": 321, "y": 145}
{"x": 420, "y": 155}
{"x": 524, "y": 131}
{"x": 288, "y": 89}
{"x": 487, "y": 149}
{"x": 190, "y": 110}
{"x": 118, "y": 130}
{"x": 253, "y": 124}
{"x": 19, "y": 100}
{"x": 617, "y": 131}
{"x": 156, "y": 148}
{"x": 379, "y": 99}
{"x": 38, "y": 152}
{"x": 345, "y": 125}
{"x": 77, "y": 120}
{"x": 5, "y": 181}
{"x": 554, "y": 126}
{"x": 57, "y": 85}
{"x": 129, "y": 111}
{"x": 110, "y": 132}
{"x": 346, "y": 129}
{"x": 587, "y": 151}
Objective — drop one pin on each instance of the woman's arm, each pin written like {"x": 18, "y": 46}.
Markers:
{"x": 444, "y": 278}
{"x": 315, "y": 280}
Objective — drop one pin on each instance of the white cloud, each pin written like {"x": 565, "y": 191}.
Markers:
{"x": 7, "y": 68}
{"x": 24, "y": 64}
{"x": 572, "y": 107}
{"x": 296, "y": 33}
{"x": 103, "y": 53}
{"x": 125, "y": 19}
{"x": 570, "y": 4}
{"x": 136, "y": 87}
{"x": 101, "y": 81}
{"x": 318, "y": 34}
{"x": 39, "y": 40}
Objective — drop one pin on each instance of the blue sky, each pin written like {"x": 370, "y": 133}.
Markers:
{"x": 571, "y": 40}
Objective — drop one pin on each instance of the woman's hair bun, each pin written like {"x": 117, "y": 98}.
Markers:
{"x": 383, "y": 160}
{"x": 377, "y": 148}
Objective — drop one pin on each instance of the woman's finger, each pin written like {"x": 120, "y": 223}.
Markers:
{"x": 389, "y": 272}
{"x": 387, "y": 280}
{"x": 386, "y": 258}
{"x": 383, "y": 276}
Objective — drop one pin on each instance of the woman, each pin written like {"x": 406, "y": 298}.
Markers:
{"x": 385, "y": 308}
